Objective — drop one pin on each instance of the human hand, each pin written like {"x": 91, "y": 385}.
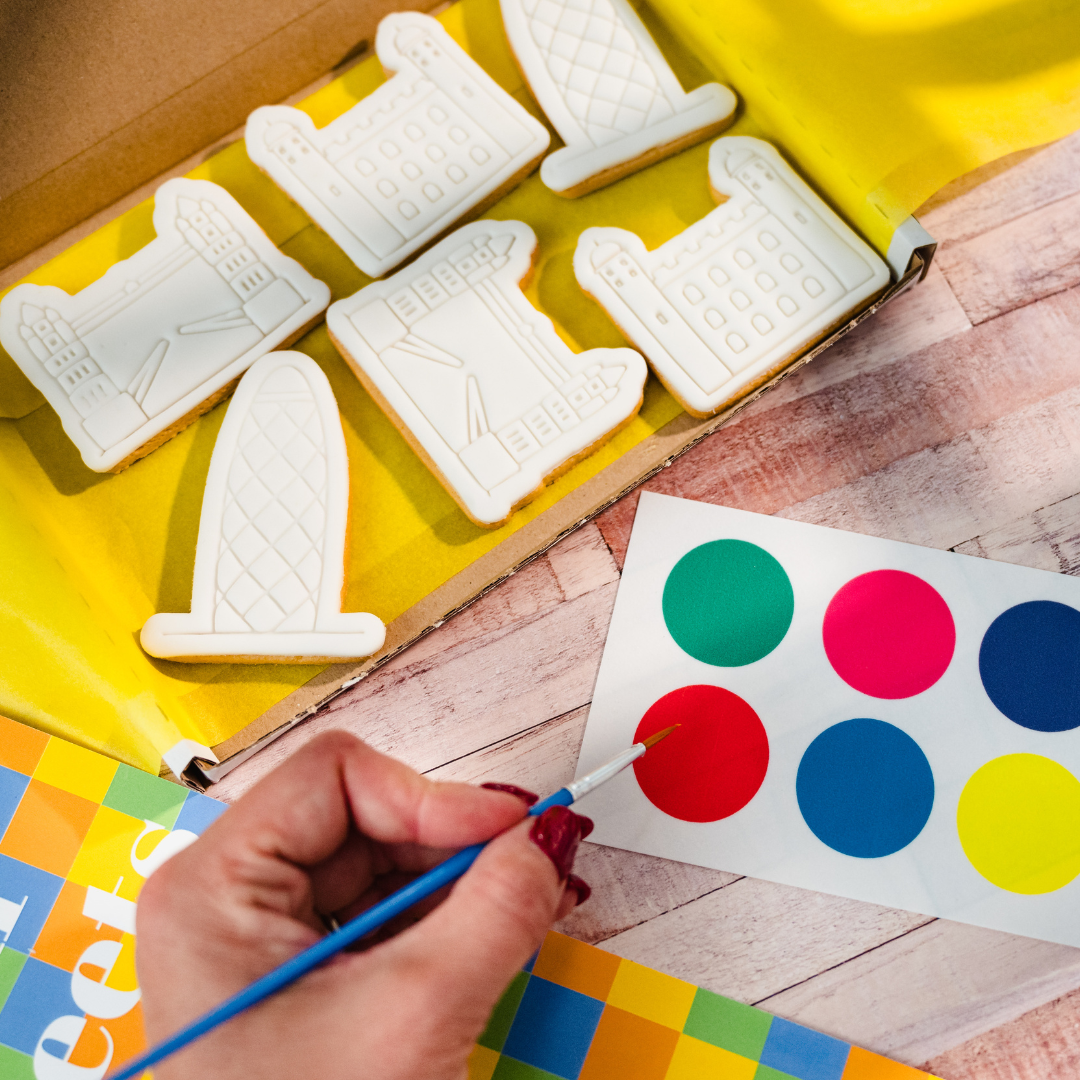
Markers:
{"x": 330, "y": 832}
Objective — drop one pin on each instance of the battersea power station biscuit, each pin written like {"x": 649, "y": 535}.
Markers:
{"x": 477, "y": 379}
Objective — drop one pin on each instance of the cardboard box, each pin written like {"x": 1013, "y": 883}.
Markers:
{"x": 100, "y": 554}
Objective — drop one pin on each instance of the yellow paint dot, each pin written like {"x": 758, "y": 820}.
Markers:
{"x": 1019, "y": 823}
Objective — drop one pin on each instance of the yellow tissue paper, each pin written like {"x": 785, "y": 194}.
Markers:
{"x": 878, "y": 107}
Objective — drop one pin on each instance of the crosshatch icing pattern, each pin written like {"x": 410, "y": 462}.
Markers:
{"x": 731, "y": 298}
{"x": 160, "y": 334}
{"x": 606, "y": 88}
{"x": 79, "y": 833}
{"x": 481, "y": 382}
{"x": 579, "y": 1013}
{"x": 269, "y": 563}
{"x": 403, "y": 164}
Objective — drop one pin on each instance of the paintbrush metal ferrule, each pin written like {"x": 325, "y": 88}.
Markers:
{"x": 583, "y": 785}
{"x": 365, "y": 923}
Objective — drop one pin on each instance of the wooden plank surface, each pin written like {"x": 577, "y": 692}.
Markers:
{"x": 952, "y": 419}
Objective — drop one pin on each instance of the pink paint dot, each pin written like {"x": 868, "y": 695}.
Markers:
{"x": 889, "y": 634}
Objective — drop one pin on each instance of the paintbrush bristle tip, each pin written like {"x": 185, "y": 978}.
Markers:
{"x": 652, "y": 740}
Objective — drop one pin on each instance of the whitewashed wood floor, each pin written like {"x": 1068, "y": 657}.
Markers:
{"x": 951, "y": 420}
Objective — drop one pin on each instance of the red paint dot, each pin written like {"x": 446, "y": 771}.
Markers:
{"x": 713, "y": 765}
{"x": 889, "y": 634}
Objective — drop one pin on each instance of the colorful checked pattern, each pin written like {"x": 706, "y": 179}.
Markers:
{"x": 579, "y": 1013}
{"x": 78, "y": 834}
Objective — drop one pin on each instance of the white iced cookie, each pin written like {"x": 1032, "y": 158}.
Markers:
{"x": 607, "y": 89}
{"x": 740, "y": 293}
{"x": 438, "y": 140}
{"x": 269, "y": 565}
{"x": 159, "y": 338}
{"x": 475, "y": 377}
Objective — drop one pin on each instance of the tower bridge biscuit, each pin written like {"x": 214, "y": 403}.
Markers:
{"x": 136, "y": 356}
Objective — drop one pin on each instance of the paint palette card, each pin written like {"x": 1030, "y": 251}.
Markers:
{"x": 79, "y": 834}
{"x": 579, "y": 1013}
{"x": 858, "y": 716}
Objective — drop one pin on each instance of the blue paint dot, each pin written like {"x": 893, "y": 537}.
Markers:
{"x": 865, "y": 788}
{"x": 1029, "y": 662}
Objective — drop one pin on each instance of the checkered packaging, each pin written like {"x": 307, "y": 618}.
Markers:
{"x": 579, "y": 1013}
{"x": 79, "y": 833}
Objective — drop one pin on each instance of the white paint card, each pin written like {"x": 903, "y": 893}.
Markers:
{"x": 921, "y": 711}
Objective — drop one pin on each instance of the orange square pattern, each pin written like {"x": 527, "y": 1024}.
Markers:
{"x": 20, "y": 746}
{"x": 627, "y": 1045}
{"x": 127, "y": 1035}
{"x": 48, "y": 828}
{"x": 67, "y": 931}
{"x": 576, "y": 966}
{"x": 864, "y": 1065}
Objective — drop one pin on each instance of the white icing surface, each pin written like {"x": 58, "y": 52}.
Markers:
{"x": 136, "y": 350}
{"x": 269, "y": 565}
{"x": 751, "y": 283}
{"x": 604, "y": 85}
{"x": 406, "y": 162}
{"x": 479, "y": 377}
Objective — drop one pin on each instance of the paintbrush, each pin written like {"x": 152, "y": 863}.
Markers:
{"x": 367, "y": 921}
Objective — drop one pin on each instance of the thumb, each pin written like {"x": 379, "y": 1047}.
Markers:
{"x": 498, "y": 914}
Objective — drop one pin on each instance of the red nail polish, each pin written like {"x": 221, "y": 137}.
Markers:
{"x": 586, "y": 824}
{"x": 557, "y": 832}
{"x": 527, "y": 797}
{"x": 580, "y": 887}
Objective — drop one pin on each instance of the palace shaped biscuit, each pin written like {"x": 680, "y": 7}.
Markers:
{"x": 739, "y": 294}
{"x": 439, "y": 140}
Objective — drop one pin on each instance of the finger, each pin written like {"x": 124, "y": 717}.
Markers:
{"x": 303, "y": 811}
{"x": 496, "y": 917}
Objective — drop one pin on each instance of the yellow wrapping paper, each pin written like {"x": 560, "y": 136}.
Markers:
{"x": 89, "y": 557}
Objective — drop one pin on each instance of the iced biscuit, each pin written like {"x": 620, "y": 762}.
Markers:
{"x": 269, "y": 563}
{"x": 739, "y": 294}
{"x": 476, "y": 378}
{"x": 136, "y": 356}
{"x": 439, "y": 140}
{"x": 607, "y": 89}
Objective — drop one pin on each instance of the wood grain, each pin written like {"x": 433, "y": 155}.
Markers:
{"x": 957, "y": 981}
{"x": 1042, "y": 1045}
{"x": 1046, "y": 539}
{"x": 1051, "y": 174}
{"x": 919, "y": 426}
{"x": 822, "y": 442}
{"x": 753, "y": 939}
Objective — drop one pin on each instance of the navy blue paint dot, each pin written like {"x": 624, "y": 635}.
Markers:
{"x": 1029, "y": 662}
{"x": 865, "y": 788}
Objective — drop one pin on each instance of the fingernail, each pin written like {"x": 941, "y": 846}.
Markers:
{"x": 587, "y": 825}
{"x": 512, "y": 789}
{"x": 580, "y": 887}
{"x": 557, "y": 833}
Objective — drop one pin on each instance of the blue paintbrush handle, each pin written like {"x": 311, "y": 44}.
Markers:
{"x": 381, "y": 913}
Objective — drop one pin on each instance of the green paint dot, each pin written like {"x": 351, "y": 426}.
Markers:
{"x": 728, "y": 603}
